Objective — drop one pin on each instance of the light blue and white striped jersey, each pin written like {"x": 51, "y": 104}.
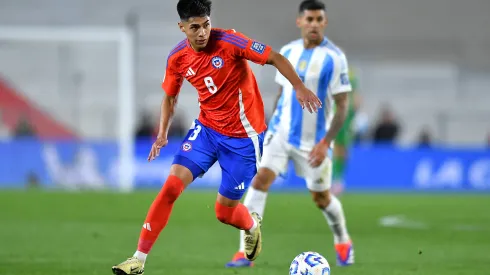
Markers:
{"x": 324, "y": 70}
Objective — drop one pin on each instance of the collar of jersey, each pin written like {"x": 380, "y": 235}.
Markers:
{"x": 190, "y": 49}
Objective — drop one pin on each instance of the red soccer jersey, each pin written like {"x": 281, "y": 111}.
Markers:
{"x": 229, "y": 96}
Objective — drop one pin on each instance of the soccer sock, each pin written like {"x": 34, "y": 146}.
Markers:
{"x": 140, "y": 255}
{"x": 255, "y": 202}
{"x": 237, "y": 216}
{"x": 158, "y": 215}
{"x": 334, "y": 214}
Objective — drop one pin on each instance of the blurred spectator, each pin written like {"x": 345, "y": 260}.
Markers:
{"x": 146, "y": 127}
{"x": 425, "y": 138}
{"x": 387, "y": 128}
{"x": 24, "y": 127}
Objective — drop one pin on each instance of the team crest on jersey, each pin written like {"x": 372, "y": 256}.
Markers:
{"x": 186, "y": 147}
{"x": 302, "y": 65}
{"x": 217, "y": 62}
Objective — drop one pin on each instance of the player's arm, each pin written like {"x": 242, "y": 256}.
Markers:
{"x": 263, "y": 54}
{"x": 171, "y": 85}
{"x": 319, "y": 152}
{"x": 305, "y": 97}
{"x": 342, "y": 106}
{"x": 280, "y": 80}
{"x": 339, "y": 86}
{"x": 167, "y": 111}
{"x": 285, "y": 67}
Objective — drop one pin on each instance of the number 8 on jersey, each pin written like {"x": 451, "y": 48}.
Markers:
{"x": 210, "y": 84}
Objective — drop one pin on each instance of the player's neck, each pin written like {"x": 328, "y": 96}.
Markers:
{"x": 196, "y": 49}
{"x": 308, "y": 44}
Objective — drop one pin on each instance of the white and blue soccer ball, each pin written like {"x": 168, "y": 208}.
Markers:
{"x": 309, "y": 263}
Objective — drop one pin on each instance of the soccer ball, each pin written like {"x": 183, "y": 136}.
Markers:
{"x": 309, "y": 263}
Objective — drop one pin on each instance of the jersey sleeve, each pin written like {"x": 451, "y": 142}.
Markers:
{"x": 280, "y": 79}
{"x": 247, "y": 48}
{"x": 340, "y": 83}
{"x": 172, "y": 81}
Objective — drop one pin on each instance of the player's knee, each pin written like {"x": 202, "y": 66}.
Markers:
{"x": 321, "y": 199}
{"x": 172, "y": 189}
{"x": 172, "y": 194}
{"x": 263, "y": 180}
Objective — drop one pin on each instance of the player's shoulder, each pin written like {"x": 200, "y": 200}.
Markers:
{"x": 228, "y": 36}
{"x": 227, "y": 33}
{"x": 298, "y": 43}
{"x": 332, "y": 49}
{"x": 228, "y": 40}
{"x": 177, "y": 51}
{"x": 224, "y": 31}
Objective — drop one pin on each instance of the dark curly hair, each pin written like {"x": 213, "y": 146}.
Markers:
{"x": 193, "y": 8}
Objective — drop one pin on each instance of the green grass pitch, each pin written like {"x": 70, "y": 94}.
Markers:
{"x": 86, "y": 233}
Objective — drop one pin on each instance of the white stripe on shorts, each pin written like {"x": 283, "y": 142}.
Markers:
{"x": 255, "y": 141}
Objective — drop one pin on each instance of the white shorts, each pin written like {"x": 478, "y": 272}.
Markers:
{"x": 278, "y": 152}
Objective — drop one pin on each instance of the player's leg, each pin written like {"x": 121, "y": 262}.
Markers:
{"x": 230, "y": 211}
{"x": 273, "y": 162}
{"x": 196, "y": 155}
{"x": 318, "y": 181}
{"x": 333, "y": 212}
{"x": 255, "y": 203}
{"x": 239, "y": 158}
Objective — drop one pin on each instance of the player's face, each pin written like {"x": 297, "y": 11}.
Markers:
{"x": 197, "y": 30}
{"x": 312, "y": 24}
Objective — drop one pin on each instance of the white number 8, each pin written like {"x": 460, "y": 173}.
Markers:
{"x": 210, "y": 84}
{"x": 195, "y": 133}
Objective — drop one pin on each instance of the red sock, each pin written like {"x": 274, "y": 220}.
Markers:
{"x": 237, "y": 216}
{"x": 159, "y": 213}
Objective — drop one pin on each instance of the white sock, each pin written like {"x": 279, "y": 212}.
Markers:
{"x": 140, "y": 255}
{"x": 254, "y": 226}
{"x": 334, "y": 214}
{"x": 255, "y": 202}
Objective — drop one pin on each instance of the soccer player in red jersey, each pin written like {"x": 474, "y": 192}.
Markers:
{"x": 229, "y": 129}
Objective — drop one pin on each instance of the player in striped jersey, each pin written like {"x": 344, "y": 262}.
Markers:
{"x": 303, "y": 137}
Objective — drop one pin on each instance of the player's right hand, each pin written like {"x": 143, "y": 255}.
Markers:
{"x": 159, "y": 143}
{"x": 308, "y": 99}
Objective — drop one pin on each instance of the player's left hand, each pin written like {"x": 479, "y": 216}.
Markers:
{"x": 308, "y": 99}
{"x": 319, "y": 153}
